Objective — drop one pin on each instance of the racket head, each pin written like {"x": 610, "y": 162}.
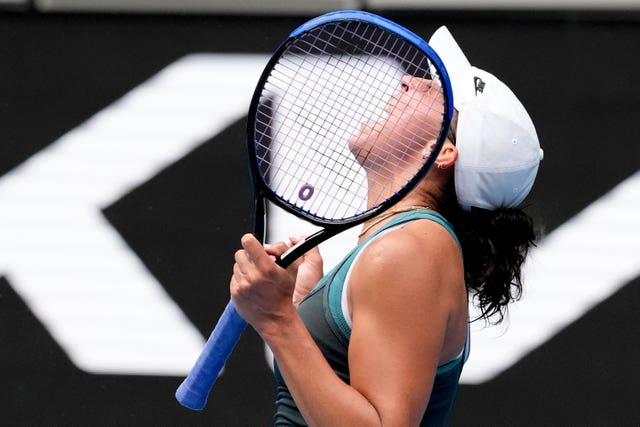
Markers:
{"x": 327, "y": 134}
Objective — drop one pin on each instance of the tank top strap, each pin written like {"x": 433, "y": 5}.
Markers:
{"x": 419, "y": 214}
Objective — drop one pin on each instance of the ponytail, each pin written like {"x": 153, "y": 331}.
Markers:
{"x": 495, "y": 244}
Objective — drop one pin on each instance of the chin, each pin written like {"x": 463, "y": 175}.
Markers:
{"x": 357, "y": 150}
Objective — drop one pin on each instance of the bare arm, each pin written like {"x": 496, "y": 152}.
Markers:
{"x": 403, "y": 298}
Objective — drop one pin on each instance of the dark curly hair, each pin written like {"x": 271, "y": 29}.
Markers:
{"x": 494, "y": 244}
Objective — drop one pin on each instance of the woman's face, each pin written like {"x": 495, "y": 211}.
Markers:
{"x": 413, "y": 120}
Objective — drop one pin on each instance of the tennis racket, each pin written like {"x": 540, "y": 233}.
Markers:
{"x": 330, "y": 140}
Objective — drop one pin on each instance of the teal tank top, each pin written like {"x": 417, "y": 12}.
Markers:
{"x": 321, "y": 312}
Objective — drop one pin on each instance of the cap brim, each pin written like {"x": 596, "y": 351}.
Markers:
{"x": 456, "y": 63}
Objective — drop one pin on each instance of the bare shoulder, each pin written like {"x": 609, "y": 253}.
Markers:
{"x": 421, "y": 257}
{"x": 424, "y": 241}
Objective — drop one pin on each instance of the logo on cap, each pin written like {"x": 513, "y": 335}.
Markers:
{"x": 479, "y": 85}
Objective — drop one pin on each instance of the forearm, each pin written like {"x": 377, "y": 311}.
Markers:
{"x": 321, "y": 396}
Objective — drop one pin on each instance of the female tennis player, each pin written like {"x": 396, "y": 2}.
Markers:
{"x": 382, "y": 338}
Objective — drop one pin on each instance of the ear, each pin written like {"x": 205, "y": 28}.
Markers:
{"x": 447, "y": 156}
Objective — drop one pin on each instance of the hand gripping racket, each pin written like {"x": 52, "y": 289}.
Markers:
{"x": 349, "y": 114}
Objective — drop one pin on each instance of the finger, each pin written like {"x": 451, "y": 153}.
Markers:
{"x": 251, "y": 246}
{"x": 296, "y": 239}
{"x": 276, "y": 249}
{"x": 255, "y": 252}
{"x": 242, "y": 261}
{"x": 313, "y": 251}
{"x": 238, "y": 270}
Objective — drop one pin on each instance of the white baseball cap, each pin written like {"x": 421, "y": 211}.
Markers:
{"x": 498, "y": 148}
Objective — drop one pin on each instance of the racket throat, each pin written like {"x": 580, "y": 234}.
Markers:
{"x": 302, "y": 247}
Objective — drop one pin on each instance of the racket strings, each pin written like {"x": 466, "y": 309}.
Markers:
{"x": 328, "y": 151}
{"x": 323, "y": 88}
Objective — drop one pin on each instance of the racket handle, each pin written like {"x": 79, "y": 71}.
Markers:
{"x": 194, "y": 390}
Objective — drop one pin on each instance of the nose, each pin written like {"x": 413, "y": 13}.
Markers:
{"x": 409, "y": 82}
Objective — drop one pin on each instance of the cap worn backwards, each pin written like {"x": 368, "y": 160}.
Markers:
{"x": 498, "y": 148}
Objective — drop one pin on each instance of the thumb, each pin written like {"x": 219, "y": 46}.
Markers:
{"x": 254, "y": 249}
